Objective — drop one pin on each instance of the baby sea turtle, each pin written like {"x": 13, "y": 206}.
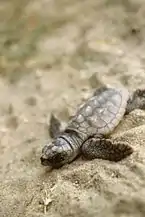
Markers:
{"x": 87, "y": 132}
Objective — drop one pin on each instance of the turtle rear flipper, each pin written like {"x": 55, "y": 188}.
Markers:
{"x": 105, "y": 149}
{"x": 136, "y": 101}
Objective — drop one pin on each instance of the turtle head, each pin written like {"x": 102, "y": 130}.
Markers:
{"x": 55, "y": 154}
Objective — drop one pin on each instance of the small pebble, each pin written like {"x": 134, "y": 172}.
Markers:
{"x": 31, "y": 101}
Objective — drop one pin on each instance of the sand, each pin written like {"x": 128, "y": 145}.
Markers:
{"x": 52, "y": 63}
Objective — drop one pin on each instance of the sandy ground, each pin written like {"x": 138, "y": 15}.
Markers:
{"x": 52, "y": 55}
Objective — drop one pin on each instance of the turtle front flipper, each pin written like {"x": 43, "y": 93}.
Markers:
{"x": 54, "y": 127}
{"x": 105, "y": 149}
{"x": 100, "y": 90}
{"x": 136, "y": 101}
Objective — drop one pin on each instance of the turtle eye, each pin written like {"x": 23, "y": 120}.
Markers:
{"x": 59, "y": 157}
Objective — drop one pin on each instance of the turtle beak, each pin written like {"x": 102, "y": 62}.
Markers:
{"x": 44, "y": 161}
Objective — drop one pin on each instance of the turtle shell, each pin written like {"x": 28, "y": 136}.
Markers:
{"x": 101, "y": 113}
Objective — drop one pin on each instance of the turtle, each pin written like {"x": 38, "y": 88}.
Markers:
{"x": 88, "y": 131}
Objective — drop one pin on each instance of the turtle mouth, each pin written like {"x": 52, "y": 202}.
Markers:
{"x": 44, "y": 161}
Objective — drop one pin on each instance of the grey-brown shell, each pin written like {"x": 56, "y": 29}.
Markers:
{"x": 101, "y": 113}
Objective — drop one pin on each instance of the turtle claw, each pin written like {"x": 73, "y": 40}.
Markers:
{"x": 105, "y": 149}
